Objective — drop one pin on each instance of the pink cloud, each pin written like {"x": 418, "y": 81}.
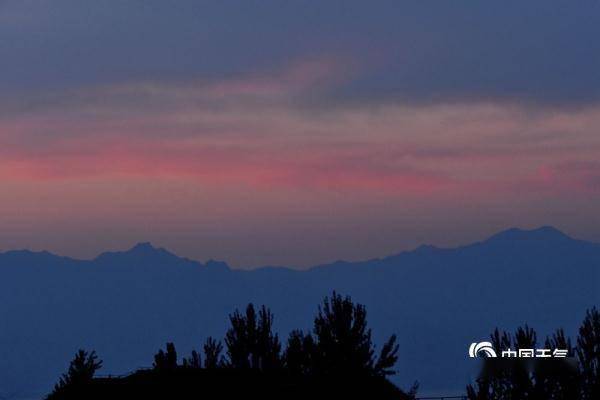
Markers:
{"x": 248, "y": 130}
{"x": 574, "y": 176}
{"x": 260, "y": 166}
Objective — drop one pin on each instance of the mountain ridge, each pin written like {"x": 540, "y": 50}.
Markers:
{"x": 146, "y": 250}
{"x": 437, "y": 300}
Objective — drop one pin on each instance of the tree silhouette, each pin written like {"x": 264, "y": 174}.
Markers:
{"x": 250, "y": 341}
{"x": 212, "y": 354}
{"x": 343, "y": 341}
{"x": 81, "y": 371}
{"x": 166, "y": 360}
{"x": 239, "y": 337}
{"x": 547, "y": 378}
{"x": 521, "y": 378}
{"x": 337, "y": 360}
{"x": 267, "y": 353}
{"x": 193, "y": 361}
{"x": 588, "y": 354}
{"x": 510, "y": 378}
{"x": 299, "y": 353}
{"x": 387, "y": 358}
{"x": 559, "y": 379}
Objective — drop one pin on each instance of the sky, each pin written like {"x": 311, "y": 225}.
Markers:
{"x": 295, "y": 132}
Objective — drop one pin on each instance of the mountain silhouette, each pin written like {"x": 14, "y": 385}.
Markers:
{"x": 545, "y": 235}
{"x": 145, "y": 255}
{"x": 437, "y": 300}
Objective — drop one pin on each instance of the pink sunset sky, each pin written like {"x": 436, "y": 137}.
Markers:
{"x": 292, "y": 137}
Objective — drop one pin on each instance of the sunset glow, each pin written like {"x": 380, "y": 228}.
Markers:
{"x": 340, "y": 142}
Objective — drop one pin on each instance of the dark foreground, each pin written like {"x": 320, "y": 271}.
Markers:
{"x": 338, "y": 360}
{"x": 201, "y": 383}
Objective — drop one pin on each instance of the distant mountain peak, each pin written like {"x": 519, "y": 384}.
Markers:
{"x": 543, "y": 233}
{"x": 146, "y": 254}
{"x": 143, "y": 246}
{"x": 147, "y": 249}
{"x": 143, "y": 251}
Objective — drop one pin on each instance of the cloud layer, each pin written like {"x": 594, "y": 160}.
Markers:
{"x": 538, "y": 51}
{"x": 295, "y": 132}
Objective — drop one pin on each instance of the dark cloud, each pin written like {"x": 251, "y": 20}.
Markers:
{"x": 415, "y": 51}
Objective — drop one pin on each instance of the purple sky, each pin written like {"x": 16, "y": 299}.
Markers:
{"x": 295, "y": 132}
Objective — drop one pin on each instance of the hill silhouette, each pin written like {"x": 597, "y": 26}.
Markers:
{"x": 438, "y": 301}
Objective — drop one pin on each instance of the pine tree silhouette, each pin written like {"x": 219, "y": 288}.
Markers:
{"x": 387, "y": 358}
{"x": 81, "y": 371}
{"x": 343, "y": 341}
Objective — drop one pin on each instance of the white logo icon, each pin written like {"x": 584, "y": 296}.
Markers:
{"x": 486, "y": 349}
{"x": 483, "y": 347}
